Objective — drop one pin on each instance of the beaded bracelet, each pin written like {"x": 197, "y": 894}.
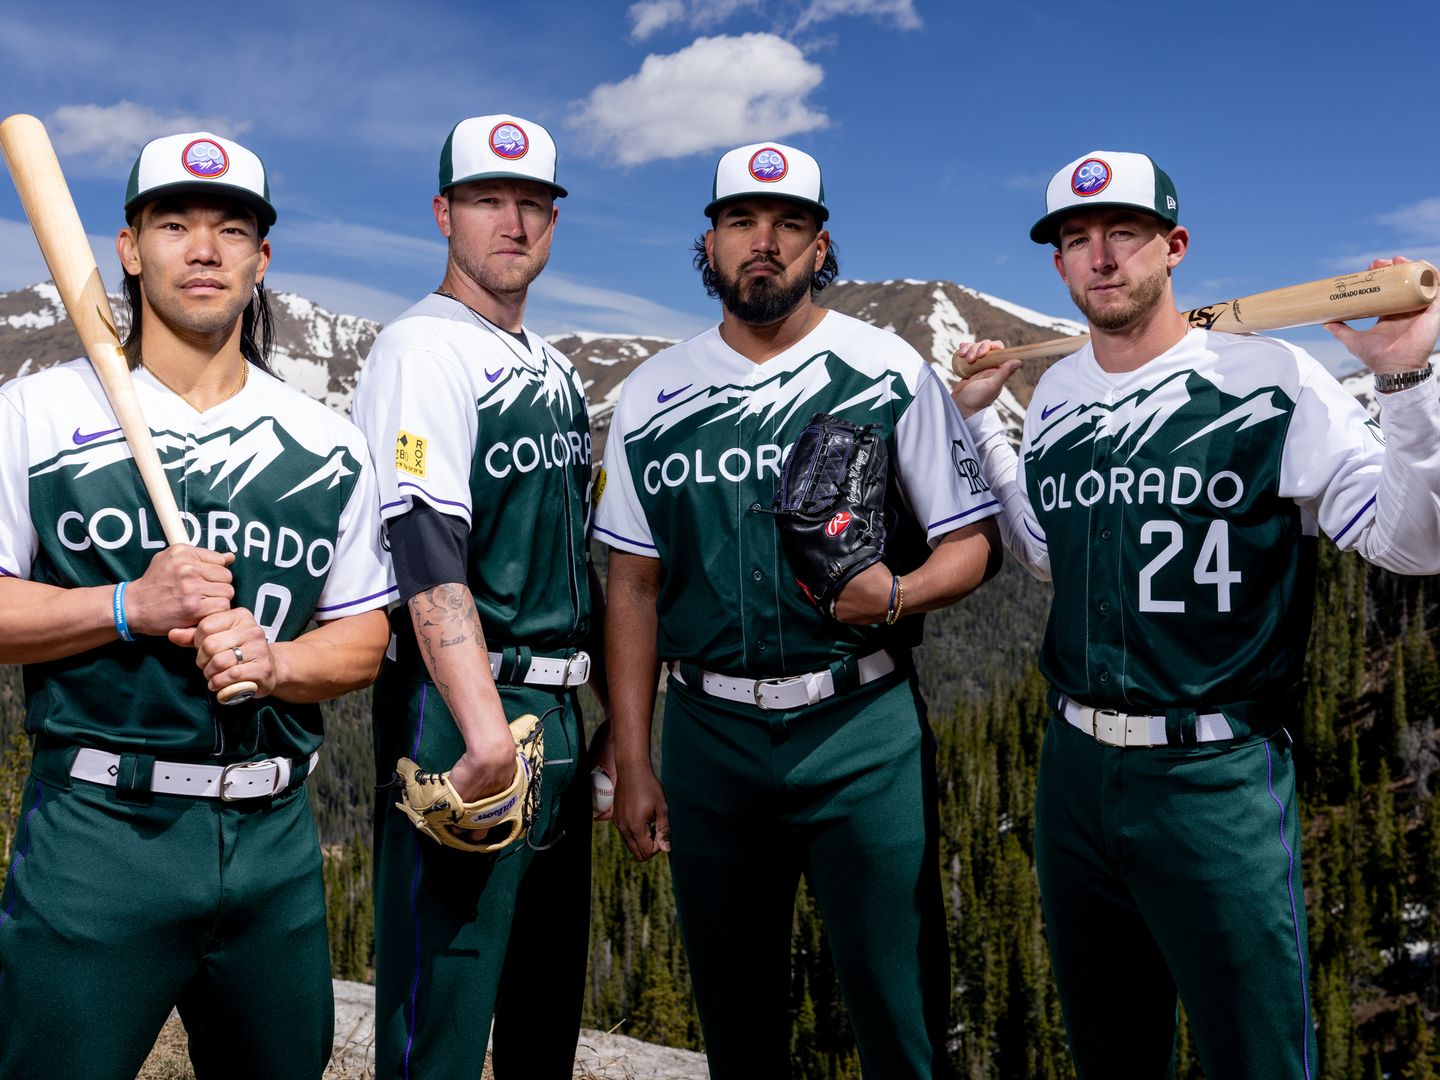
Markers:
{"x": 118, "y": 605}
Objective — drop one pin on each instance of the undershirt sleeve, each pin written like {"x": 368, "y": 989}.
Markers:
{"x": 427, "y": 548}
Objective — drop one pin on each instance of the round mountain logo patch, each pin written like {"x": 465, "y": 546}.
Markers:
{"x": 838, "y": 524}
{"x": 768, "y": 165}
{"x": 509, "y": 140}
{"x": 205, "y": 159}
{"x": 1090, "y": 177}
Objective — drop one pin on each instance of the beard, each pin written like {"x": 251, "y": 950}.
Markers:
{"x": 761, "y": 301}
{"x": 500, "y": 279}
{"x": 1144, "y": 295}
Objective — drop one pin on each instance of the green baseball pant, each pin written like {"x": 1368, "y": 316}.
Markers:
{"x": 843, "y": 792}
{"x": 120, "y": 904}
{"x": 1166, "y": 869}
{"x": 462, "y": 936}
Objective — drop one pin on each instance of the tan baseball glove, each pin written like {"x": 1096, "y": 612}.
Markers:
{"x": 431, "y": 802}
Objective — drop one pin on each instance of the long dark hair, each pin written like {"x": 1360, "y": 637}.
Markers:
{"x": 828, "y": 272}
{"x": 257, "y": 326}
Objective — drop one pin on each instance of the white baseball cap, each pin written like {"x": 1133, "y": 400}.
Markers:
{"x": 1106, "y": 178}
{"x": 768, "y": 169}
{"x": 197, "y": 162}
{"x": 498, "y": 147}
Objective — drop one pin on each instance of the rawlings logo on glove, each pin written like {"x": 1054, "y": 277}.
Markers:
{"x": 433, "y": 805}
{"x": 830, "y": 506}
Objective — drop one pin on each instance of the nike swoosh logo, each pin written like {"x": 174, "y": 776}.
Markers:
{"x": 663, "y": 397}
{"x": 491, "y": 376}
{"x": 81, "y": 440}
{"x": 1045, "y": 413}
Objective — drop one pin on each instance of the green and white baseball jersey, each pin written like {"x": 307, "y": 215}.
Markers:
{"x": 270, "y": 475}
{"x": 695, "y": 450}
{"x": 1176, "y": 509}
{"x": 497, "y": 434}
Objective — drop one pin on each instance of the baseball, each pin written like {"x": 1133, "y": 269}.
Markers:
{"x": 602, "y": 791}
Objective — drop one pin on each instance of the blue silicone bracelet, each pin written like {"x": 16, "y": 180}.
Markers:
{"x": 121, "y": 626}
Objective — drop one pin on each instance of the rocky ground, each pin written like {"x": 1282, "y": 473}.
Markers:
{"x": 600, "y": 1056}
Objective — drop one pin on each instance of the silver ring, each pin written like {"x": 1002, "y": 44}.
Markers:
{"x": 239, "y": 656}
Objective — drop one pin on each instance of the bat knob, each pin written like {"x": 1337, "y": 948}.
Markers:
{"x": 237, "y": 693}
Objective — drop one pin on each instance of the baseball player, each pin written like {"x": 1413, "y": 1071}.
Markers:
{"x": 485, "y": 495}
{"x": 166, "y": 854}
{"x": 794, "y": 743}
{"x": 1172, "y": 482}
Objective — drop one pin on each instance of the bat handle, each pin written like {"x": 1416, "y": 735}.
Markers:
{"x": 237, "y": 693}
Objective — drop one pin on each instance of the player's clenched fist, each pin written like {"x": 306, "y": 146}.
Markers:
{"x": 181, "y": 586}
{"x": 230, "y": 647}
{"x": 981, "y": 389}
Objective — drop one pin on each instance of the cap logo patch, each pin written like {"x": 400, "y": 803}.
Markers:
{"x": 1090, "y": 177}
{"x": 1170, "y": 202}
{"x": 205, "y": 159}
{"x": 768, "y": 165}
{"x": 509, "y": 140}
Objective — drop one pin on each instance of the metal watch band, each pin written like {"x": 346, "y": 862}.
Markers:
{"x": 1389, "y": 381}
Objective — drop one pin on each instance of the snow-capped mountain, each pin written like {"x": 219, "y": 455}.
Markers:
{"x": 321, "y": 352}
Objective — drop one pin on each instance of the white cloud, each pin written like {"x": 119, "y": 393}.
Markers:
{"x": 1418, "y": 222}
{"x": 717, "y": 91}
{"x": 362, "y": 243}
{"x": 98, "y": 138}
{"x": 22, "y": 265}
{"x": 901, "y": 12}
{"x": 649, "y": 16}
{"x": 558, "y": 303}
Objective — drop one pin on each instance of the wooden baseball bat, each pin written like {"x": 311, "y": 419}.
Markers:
{"x": 1389, "y": 290}
{"x": 51, "y": 210}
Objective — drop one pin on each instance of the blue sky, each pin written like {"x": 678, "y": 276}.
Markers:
{"x": 1301, "y": 137}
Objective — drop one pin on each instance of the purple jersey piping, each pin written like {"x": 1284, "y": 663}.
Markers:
{"x": 360, "y": 600}
{"x": 1358, "y": 515}
{"x": 414, "y": 889}
{"x": 1294, "y": 916}
{"x": 432, "y": 498}
{"x": 962, "y": 514}
{"x": 626, "y": 539}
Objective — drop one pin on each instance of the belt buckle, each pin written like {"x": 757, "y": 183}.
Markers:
{"x": 1094, "y": 727}
{"x": 565, "y": 675}
{"x": 769, "y": 682}
{"x": 240, "y": 766}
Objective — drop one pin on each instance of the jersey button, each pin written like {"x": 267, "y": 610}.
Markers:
{"x": 761, "y": 645}
{"x": 1104, "y": 676}
{"x": 754, "y": 508}
{"x": 1104, "y": 534}
{"x": 1104, "y": 607}
{"x": 757, "y": 575}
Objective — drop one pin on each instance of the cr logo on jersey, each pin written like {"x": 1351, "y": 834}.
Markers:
{"x": 1090, "y": 177}
{"x": 968, "y": 467}
{"x": 205, "y": 159}
{"x": 838, "y": 524}
{"x": 509, "y": 140}
{"x": 768, "y": 165}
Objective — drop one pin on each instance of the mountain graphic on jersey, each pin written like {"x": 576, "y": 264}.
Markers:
{"x": 823, "y": 383}
{"x": 258, "y": 492}
{"x": 1182, "y": 410}
{"x": 554, "y": 384}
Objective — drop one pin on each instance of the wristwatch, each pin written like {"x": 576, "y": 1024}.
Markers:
{"x": 1388, "y": 382}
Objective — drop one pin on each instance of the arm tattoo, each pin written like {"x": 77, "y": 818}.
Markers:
{"x": 446, "y": 612}
{"x": 443, "y": 616}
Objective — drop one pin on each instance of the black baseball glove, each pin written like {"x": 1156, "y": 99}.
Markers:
{"x": 830, "y": 506}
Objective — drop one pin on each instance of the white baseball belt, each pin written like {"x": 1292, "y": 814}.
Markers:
{"x": 791, "y": 692}
{"x": 228, "y": 783}
{"x": 566, "y": 671}
{"x": 1132, "y": 729}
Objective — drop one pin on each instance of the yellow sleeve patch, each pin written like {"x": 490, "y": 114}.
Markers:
{"x": 410, "y": 453}
{"x": 599, "y": 488}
